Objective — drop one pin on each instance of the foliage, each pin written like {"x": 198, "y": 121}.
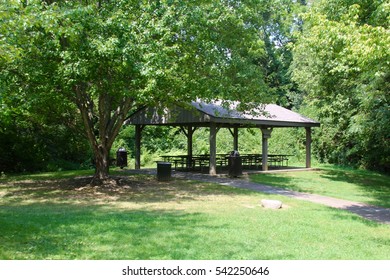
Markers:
{"x": 38, "y": 132}
{"x": 342, "y": 62}
{"x": 281, "y": 22}
{"x": 108, "y": 57}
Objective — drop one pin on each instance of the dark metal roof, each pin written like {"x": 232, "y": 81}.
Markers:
{"x": 224, "y": 113}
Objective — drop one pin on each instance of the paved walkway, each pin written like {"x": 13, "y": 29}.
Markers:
{"x": 370, "y": 212}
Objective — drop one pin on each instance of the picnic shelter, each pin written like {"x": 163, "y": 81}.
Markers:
{"x": 218, "y": 114}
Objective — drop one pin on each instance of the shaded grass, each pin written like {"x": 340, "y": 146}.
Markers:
{"x": 54, "y": 175}
{"x": 146, "y": 219}
{"x": 345, "y": 183}
{"x": 45, "y": 175}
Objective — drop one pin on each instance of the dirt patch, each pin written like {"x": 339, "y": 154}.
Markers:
{"x": 75, "y": 188}
{"x": 136, "y": 189}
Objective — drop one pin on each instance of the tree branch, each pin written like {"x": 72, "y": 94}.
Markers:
{"x": 85, "y": 105}
{"x": 118, "y": 118}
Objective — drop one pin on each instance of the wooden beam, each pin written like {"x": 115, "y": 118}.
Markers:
{"x": 266, "y": 134}
{"x": 189, "y": 134}
{"x": 308, "y": 147}
{"x": 234, "y": 133}
{"x": 213, "y": 149}
{"x": 138, "y": 137}
{"x": 235, "y": 139}
{"x": 184, "y": 130}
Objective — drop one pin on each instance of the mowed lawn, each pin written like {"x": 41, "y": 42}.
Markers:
{"x": 57, "y": 216}
{"x": 345, "y": 183}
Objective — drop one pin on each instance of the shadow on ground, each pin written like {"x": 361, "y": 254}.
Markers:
{"x": 374, "y": 185}
{"x": 127, "y": 188}
{"x": 63, "y": 231}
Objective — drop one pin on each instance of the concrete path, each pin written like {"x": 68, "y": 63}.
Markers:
{"x": 370, "y": 212}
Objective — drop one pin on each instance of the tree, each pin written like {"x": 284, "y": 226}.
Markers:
{"x": 342, "y": 62}
{"x": 110, "y": 57}
{"x": 280, "y": 22}
{"x": 40, "y": 134}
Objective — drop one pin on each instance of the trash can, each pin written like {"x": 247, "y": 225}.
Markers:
{"x": 164, "y": 171}
{"x": 235, "y": 164}
{"x": 121, "y": 157}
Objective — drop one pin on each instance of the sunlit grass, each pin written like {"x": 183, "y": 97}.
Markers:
{"x": 146, "y": 219}
{"x": 345, "y": 183}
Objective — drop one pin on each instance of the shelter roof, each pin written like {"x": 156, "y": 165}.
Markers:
{"x": 224, "y": 113}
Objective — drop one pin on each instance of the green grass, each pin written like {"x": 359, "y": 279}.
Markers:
{"x": 345, "y": 183}
{"x": 46, "y": 175}
{"x": 54, "y": 175}
{"x": 144, "y": 219}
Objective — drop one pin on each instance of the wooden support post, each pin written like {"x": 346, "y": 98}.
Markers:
{"x": 213, "y": 149}
{"x": 234, "y": 133}
{"x": 308, "y": 147}
{"x": 266, "y": 134}
{"x": 189, "y": 146}
{"x": 138, "y": 136}
{"x": 235, "y": 138}
{"x": 189, "y": 134}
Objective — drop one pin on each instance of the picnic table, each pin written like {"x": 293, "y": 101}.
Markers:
{"x": 199, "y": 162}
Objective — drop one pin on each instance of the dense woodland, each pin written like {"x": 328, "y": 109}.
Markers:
{"x": 72, "y": 71}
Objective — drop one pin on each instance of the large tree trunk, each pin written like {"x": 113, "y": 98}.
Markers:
{"x": 108, "y": 119}
{"x": 102, "y": 161}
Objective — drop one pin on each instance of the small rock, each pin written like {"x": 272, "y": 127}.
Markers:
{"x": 273, "y": 204}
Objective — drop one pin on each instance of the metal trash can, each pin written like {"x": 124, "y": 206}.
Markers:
{"x": 164, "y": 171}
{"x": 121, "y": 157}
{"x": 235, "y": 164}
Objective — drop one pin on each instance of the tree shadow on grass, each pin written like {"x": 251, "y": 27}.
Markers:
{"x": 378, "y": 214}
{"x": 67, "y": 231}
{"x": 145, "y": 189}
{"x": 64, "y": 231}
{"x": 68, "y": 219}
{"x": 362, "y": 215}
{"x": 374, "y": 185}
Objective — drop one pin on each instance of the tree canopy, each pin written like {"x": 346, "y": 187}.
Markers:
{"x": 108, "y": 57}
{"x": 77, "y": 69}
{"x": 342, "y": 63}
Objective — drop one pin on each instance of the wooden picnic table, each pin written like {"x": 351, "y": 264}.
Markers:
{"x": 181, "y": 161}
{"x": 196, "y": 161}
{"x": 202, "y": 161}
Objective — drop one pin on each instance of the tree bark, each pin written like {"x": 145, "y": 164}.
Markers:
{"x": 108, "y": 124}
{"x": 102, "y": 161}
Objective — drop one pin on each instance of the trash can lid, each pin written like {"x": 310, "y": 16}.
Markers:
{"x": 163, "y": 162}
